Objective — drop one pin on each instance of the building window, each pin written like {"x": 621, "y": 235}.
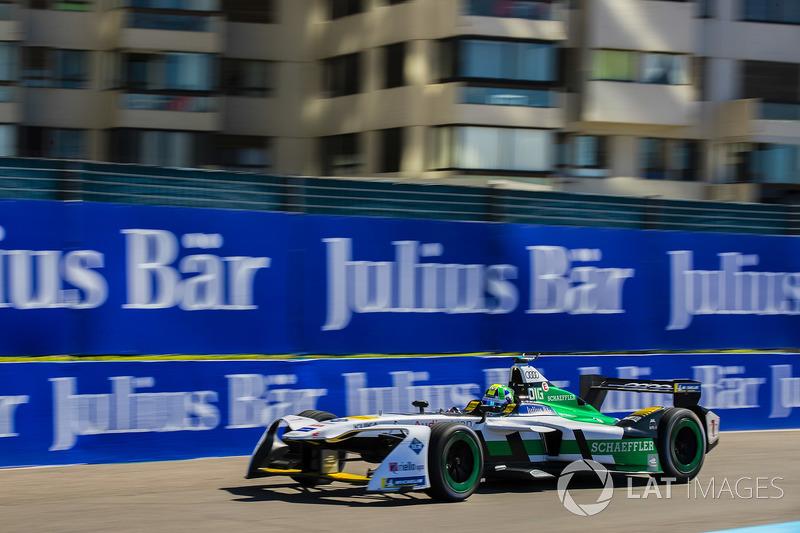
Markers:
{"x": 8, "y": 62}
{"x": 176, "y": 5}
{"x": 247, "y": 77}
{"x": 395, "y": 65}
{"x": 684, "y": 160}
{"x": 508, "y": 60}
{"x": 699, "y": 76}
{"x": 391, "y": 150}
{"x": 582, "y": 155}
{"x": 72, "y": 5}
{"x": 763, "y": 163}
{"x": 653, "y": 158}
{"x": 340, "y": 155}
{"x": 705, "y": 8}
{"x": 395, "y": 2}
{"x": 8, "y": 140}
{"x": 524, "y": 9}
{"x": 49, "y": 67}
{"x": 771, "y": 81}
{"x": 499, "y": 60}
{"x": 343, "y": 8}
{"x": 588, "y": 151}
{"x": 243, "y": 153}
{"x": 342, "y": 75}
{"x": 496, "y": 149}
{"x": 162, "y": 148}
{"x": 173, "y": 15}
{"x": 52, "y": 143}
{"x": 654, "y": 67}
{"x": 613, "y": 65}
{"x": 663, "y": 159}
{"x": 168, "y": 72}
{"x": 253, "y": 11}
{"x": 8, "y": 10}
{"x": 667, "y": 69}
{"x": 782, "y": 11}
{"x": 63, "y": 5}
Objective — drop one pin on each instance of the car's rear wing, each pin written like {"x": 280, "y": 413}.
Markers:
{"x": 685, "y": 392}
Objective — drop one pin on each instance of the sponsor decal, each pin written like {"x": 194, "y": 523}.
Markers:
{"x": 8, "y": 407}
{"x": 623, "y": 446}
{"x": 408, "y": 466}
{"x": 536, "y": 410}
{"x": 530, "y": 373}
{"x": 308, "y": 429}
{"x": 729, "y": 290}
{"x": 560, "y": 397}
{"x": 400, "y": 482}
{"x": 652, "y": 462}
{"x": 127, "y": 409}
{"x": 545, "y": 386}
{"x": 416, "y": 445}
{"x": 687, "y": 387}
{"x": 471, "y": 286}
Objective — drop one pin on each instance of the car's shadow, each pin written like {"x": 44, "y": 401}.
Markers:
{"x": 352, "y": 496}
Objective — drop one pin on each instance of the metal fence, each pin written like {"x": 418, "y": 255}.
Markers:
{"x": 44, "y": 179}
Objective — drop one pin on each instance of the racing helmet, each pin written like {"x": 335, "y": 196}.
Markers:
{"x": 498, "y": 396}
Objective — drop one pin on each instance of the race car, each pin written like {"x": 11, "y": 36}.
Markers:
{"x": 529, "y": 428}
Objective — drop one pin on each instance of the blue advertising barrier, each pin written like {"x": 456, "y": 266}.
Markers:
{"x": 97, "y": 412}
{"x": 83, "y": 278}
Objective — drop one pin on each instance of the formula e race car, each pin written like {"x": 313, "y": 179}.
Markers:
{"x": 536, "y": 432}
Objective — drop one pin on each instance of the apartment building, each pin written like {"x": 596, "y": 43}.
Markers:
{"x": 657, "y": 98}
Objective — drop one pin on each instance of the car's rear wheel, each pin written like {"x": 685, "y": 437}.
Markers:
{"x": 455, "y": 461}
{"x": 309, "y": 461}
{"x": 681, "y": 444}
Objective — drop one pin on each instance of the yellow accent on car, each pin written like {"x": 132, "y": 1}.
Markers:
{"x": 646, "y": 411}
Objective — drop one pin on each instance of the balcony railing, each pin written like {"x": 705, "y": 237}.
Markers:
{"x": 524, "y": 9}
{"x": 147, "y": 20}
{"x": 509, "y": 97}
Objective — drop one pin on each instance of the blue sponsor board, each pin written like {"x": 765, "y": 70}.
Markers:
{"x": 104, "y": 278}
{"x": 83, "y": 278}
{"x": 96, "y": 412}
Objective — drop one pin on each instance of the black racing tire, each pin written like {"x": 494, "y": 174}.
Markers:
{"x": 681, "y": 445}
{"x": 455, "y": 462}
{"x": 319, "y": 416}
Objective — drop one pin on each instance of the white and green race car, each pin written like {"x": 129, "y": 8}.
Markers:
{"x": 448, "y": 453}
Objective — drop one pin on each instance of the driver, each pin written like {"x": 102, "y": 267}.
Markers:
{"x": 498, "y": 397}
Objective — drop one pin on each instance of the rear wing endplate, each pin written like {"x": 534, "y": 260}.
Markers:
{"x": 685, "y": 392}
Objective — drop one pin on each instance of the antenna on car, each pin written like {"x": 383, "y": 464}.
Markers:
{"x": 525, "y": 358}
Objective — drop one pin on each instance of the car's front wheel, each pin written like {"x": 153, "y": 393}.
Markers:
{"x": 455, "y": 461}
{"x": 310, "y": 460}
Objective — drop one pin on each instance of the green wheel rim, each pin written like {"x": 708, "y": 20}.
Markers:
{"x": 686, "y": 446}
{"x": 461, "y": 462}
